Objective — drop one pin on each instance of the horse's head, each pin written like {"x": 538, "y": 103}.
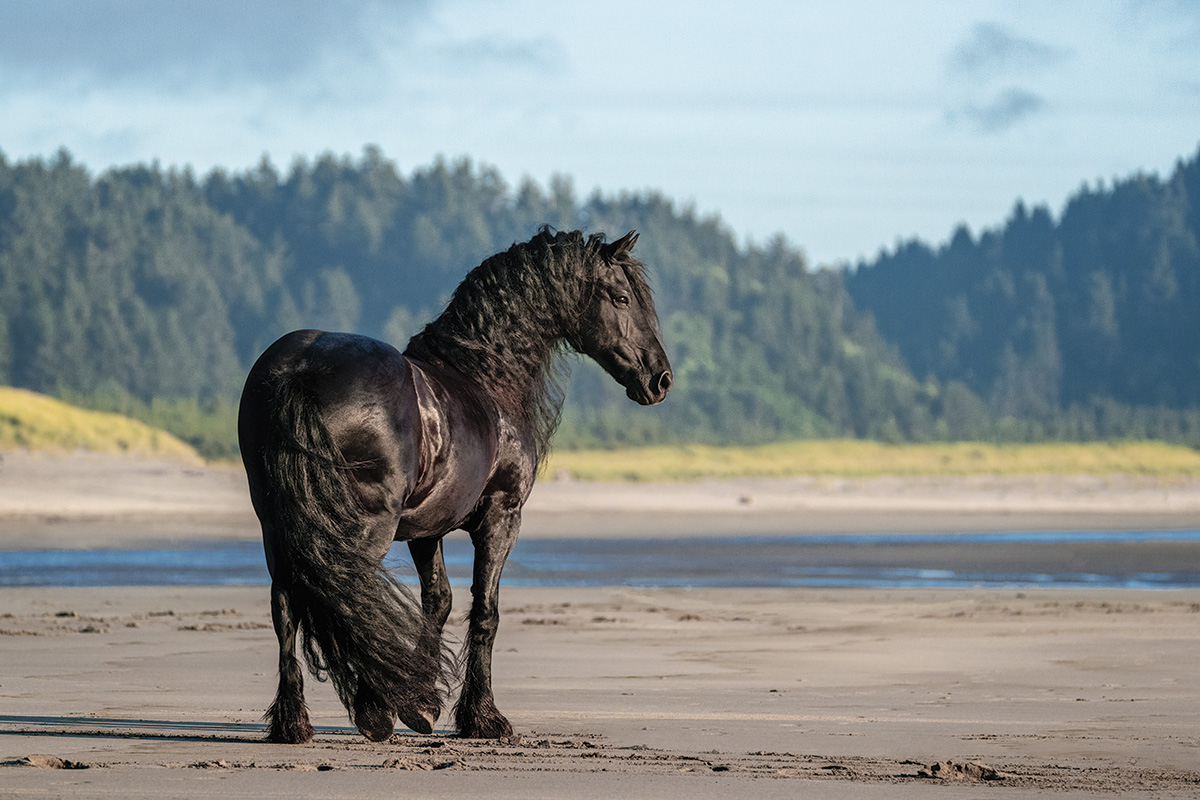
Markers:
{"x": 619, "y": 326}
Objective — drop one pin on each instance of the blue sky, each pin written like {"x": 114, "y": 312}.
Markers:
{"x": 843, "y": 125}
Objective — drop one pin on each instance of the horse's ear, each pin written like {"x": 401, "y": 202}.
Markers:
{"x": 625, "y": 243}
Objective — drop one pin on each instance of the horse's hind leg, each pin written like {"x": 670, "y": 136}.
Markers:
{"x": 287, "y": 718}
{"x": 436, "y": 600}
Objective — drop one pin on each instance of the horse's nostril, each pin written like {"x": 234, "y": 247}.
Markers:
{"x": 664, "y": 382}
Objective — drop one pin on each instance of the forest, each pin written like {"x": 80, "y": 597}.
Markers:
{"x": 151, "y": 290}
{"x": 1081, "y": 327}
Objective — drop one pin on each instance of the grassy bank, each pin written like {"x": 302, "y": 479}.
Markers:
{"x": 857, "y": 459}
{"x": 33, "y": 421}
{"x": 37, "y": 422}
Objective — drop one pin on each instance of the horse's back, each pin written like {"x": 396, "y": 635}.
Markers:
{"x": 337, "y": 368}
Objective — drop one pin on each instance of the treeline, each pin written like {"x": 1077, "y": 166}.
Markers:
{"x": 151, "y": 291}
{"x": 1087, "y": 326}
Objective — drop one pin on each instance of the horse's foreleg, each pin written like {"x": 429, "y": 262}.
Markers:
{"x": 435, "y": 604}
{"x": 287, "y": 718}
{"x": 475, "y": 714}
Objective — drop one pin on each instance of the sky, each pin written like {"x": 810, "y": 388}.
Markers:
{"x": 845, "y": 126}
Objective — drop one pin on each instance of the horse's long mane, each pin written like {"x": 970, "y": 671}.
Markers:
{"x": 508, "y": 320}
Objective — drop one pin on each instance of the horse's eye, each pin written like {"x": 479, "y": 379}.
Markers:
{"x": 621, "y": 300}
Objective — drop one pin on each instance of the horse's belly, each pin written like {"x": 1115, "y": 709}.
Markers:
{"x": 442, "y": 506}
{"x": 436, "y": 518}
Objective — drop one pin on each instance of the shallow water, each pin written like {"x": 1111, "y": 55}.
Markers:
{"x": 1129, "y": 559}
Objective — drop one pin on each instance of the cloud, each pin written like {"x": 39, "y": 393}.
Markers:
{"x": 540, "y": 55}
{"x": 992, "y": 49}
{"x": 153, "y": 40}
{"x": 989, "y": 57}
{"x": 1006, "y": 110}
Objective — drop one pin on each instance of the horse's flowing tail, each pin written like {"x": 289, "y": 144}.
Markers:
{"x": 359, "y": 626}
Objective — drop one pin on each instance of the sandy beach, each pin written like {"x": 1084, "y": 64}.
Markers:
{"x": 89, "y": 501}
{"x": 620, "y": 692}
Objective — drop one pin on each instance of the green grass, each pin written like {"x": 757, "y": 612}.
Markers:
{"x": 859, "y": 459}
{"x": 31, "y": 421}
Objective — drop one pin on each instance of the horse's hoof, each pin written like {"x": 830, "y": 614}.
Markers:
{"x": 377, "y": 730}
{"x": 372, "y": 720}
{"x": 292, "y": 734}
{"x": 418, "y": 720}
{"x": 491, "y": 727}
{"x": 288, "y": 724}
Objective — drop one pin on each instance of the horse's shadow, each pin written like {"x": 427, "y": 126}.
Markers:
{"x": 125, "y": 728}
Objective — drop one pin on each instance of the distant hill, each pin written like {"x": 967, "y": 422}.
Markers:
{"x": 30, "y": 421}
{"x": 1083, "y": 326}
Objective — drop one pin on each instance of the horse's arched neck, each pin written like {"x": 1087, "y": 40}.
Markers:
{"x": 504, "y": 360}
{"x": 504, "y": 327}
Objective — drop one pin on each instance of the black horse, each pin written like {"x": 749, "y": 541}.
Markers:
{"x": 350, "y": 445}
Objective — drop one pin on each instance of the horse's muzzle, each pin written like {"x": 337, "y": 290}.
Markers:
{"x": 653, "y": 392}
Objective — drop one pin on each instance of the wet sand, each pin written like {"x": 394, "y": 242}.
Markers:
{"x": 617, "y": 692}
{"x": 629, "y": 693}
